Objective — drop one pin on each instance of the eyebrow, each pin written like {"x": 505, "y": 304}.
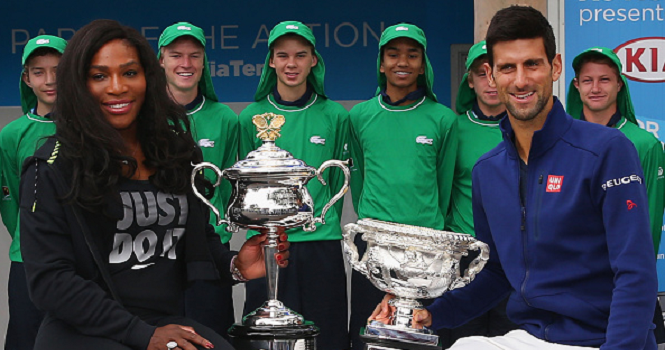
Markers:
{"x": 130, "y": 63}
{"x": 411, "y": 49}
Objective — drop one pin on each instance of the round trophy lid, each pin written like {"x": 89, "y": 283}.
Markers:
{"x": 270, "y": 159}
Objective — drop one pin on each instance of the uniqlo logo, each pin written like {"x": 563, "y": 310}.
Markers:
{"x": 554, "y": 183}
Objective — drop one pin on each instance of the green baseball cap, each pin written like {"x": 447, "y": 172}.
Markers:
{"x": 28, "y": 97}
{"x": 404, "y": 30}
{"x": 178, "y": 30}
{"x": 465, "y": 94}
{"x": 574, "y": 103}
{"x": 269, "y": 76}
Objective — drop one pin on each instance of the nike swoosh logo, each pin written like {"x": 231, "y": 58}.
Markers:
{"x": 138, "y": 267}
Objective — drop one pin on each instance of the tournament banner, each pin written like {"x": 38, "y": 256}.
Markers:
{"x": 347, "y": 34}
{"x": 635, "y": 30}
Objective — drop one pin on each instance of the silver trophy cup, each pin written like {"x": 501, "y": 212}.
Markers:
{"x": 411, "y": 263}
{"x": 269, "y": 193}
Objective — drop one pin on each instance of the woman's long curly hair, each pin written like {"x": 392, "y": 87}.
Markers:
{"x": 93, "y": 147}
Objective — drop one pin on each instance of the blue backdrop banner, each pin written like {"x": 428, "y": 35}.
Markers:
{"x": 346, "y": 32}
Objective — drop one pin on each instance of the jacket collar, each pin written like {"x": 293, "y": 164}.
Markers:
{"x": 556, "y": 125}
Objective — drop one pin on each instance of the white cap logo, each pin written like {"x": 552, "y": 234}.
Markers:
{"x": 184, "y": 28}
{"x": 291, "y": 26}
{"x": 401, "y": 28}
{"x": 42, "y": 41}
{"x": 484, "y": 47}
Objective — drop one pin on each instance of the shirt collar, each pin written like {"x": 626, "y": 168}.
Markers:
{"x": 297, "y": 103}
{"x": 412, "y": 96}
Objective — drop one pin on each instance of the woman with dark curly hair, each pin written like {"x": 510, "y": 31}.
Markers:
{"x": 111, "y": 231}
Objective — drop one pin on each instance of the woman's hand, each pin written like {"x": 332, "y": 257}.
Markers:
{"x": 250, "y": 260}
{"x": 184, "y": 336}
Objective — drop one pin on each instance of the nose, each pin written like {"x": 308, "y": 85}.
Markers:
{"x": 595, "y": 86}
{"x": 50, "y": 77}
{"x": 291, "y": 62}
{"x": 186, "y": 61}
{"x": 116, "y": 85}
{"x": 521, "y": 79}
{"x": 402, "y": 61}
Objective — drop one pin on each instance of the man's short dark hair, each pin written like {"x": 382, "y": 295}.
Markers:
{"x": 42, "y": 51}
{"x": 596, "y": 57}
{"x": 520, "y": 22}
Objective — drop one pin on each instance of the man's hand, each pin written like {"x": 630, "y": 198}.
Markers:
{"x": 184, "y": 336}
{"x": 384, "y": 313}
{"x": 250, "y": 260}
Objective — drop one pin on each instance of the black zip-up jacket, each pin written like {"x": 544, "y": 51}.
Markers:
{"x": 67, "y": 275}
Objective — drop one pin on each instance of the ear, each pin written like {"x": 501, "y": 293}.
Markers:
{"x": 381, "y": 69}
{"x": 577, "y": 83}
{"x": 26, "y": 78}
{"x": 488, "y": 74}
{"x": 620, "y": 84}
{"x": 315, "y": 60}
{"x": 271, "y": 64}
{"x": 161, "y": 56}
{"x": 557, "y": 67}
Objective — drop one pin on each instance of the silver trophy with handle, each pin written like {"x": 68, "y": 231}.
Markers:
{"x": 268, "y": 193}
{"x": 412, "y": 263}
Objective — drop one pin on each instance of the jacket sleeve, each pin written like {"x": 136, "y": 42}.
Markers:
{"x": 341, "y": 152}
{"x": 247, "y": 140}
{"x": 446, "y": 161}
{"x": 223, "y": 192}
{"x": 9, "y": 180}
{"x": 626, "y": 220}
{"x": 358, "y": 169}
{"x": 653, "y": 163}
{"x": 50, "y": 261}
{"x": 490, "y": 286}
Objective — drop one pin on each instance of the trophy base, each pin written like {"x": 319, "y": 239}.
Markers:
{"x": 298, "y": 337}
{"x": 273, "y": 313}
{"x": 378, "y": 336}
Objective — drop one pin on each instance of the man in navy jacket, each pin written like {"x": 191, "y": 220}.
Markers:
{"x": 563, "y": 207}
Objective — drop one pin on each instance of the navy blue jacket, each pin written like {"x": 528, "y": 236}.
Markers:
{"x": 576, "y": 257}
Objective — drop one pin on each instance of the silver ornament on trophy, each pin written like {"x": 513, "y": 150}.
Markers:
{"x": 412, "y": 263}
{"x": 269, "y": 193}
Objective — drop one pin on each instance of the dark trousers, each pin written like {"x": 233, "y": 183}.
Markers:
{"x": 313, "y": 285}
{"x": 54, "y": 334}
{"x": 24, "y": 318}
{"x": 210, "y": 303}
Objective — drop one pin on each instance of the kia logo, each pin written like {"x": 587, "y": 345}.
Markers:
{"x": 643, "y": 59}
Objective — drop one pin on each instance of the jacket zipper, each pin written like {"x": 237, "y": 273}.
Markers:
{"x": 524, "y": 235}
{"x": 539, "y": 199}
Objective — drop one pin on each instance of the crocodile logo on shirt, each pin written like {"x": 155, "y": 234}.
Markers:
{"x": 317, "y": 140}
{"x": 424, "y": 140}
{"x": 206, "y": 143}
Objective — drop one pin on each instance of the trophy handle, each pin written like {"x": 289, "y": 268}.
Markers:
{"x": 220, "y": 174}
{"x": 475, "y": 266}
{"x": 350, "y": 249}
{"x": 344, "y": 165}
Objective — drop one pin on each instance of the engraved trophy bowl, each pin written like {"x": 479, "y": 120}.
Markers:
{"x": 411, "y": 263}
{"x": 269, "y": 193}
